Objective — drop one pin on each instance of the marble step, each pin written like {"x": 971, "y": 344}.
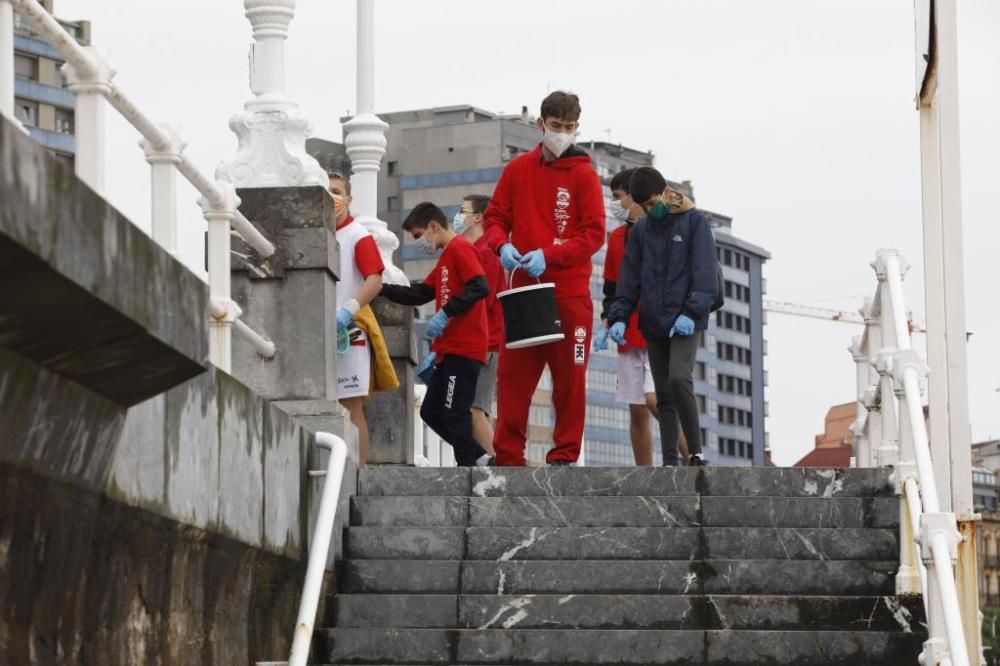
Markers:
{"x": 632, "y": 647}
{"x": 769, "y": 577}
{"x": 584, "y": 611}
{"x": 620, "y": 543}
{"x": 623, "y": 482}
{"x": 640, "y": 511}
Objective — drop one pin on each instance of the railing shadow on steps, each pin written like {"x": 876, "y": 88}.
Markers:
{"x": 891, "y": 431}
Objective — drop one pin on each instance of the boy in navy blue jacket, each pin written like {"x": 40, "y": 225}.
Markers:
{"x": 670, "y": 266}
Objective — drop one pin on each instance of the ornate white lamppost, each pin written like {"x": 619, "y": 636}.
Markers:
{"x": 365, "y": 143}
{"x": 271, "y": 130}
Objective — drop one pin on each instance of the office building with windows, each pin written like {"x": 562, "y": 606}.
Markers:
{"x": 41, "y": 100}
{"x": 442, "y": 154}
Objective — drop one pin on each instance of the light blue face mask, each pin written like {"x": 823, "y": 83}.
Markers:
{"x": 425, "y": 246}
{"x": 618, "y": 211}
{"x": 458, "y": 222}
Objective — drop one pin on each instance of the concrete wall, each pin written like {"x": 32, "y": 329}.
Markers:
{"x": 153, "y": 510}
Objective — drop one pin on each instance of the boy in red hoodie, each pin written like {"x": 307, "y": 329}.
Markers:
{"x": 458, "y": 286}
{"x": 546, "y": 218}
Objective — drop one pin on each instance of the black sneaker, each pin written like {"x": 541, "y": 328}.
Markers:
{"x": 672, "y": 462}
{"x": 697, "y": 460}
{"x": 560, "y": 463}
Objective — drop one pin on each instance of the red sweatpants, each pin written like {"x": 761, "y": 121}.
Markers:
{"x": 517, "y": 377}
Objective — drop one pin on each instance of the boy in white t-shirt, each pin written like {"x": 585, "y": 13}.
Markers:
{"x": 360, "y": 281}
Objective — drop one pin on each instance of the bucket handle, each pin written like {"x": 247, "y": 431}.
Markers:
{"x": 537, "y": 279}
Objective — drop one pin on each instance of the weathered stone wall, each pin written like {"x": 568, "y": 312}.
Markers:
{"x": 91, "y": 580}
{"x": 153, "y": 510}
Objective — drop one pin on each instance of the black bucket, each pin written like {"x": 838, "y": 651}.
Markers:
{"x": 530, "y": 315}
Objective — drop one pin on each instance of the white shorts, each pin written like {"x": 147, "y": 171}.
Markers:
{"x": 354, "y": 368}
{"x": 635, "y": 379}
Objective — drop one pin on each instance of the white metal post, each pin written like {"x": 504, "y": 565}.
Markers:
{"x": 163, "y": 160}
{"x": 365, "y": 142}
{"x": 271, "y": 130}
{"x": 888, "y": 448}
{"x": 90, "y": 87}
{"x": 862, "y": 448}
{"x": 219, "y": 216}
{"x": 873, "y": 333}
{"x": 945, "y": 304}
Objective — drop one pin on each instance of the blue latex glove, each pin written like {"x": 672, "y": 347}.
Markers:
{"x": 617, "y": 332}
{"x": 683, "y": 326}
{"x": 534, "y": 263}
{"x": 601, "y": 340}
{"x": 509, "y": 256}
{"x": 344, "y": 318}
{"x": 435, "y": 326}
{"x": 426, "y": 368}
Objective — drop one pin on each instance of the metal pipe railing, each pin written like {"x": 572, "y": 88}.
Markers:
{"x": 896, "y": 400}
{"x": 319, "y": 547}
{"x": 93, "y": 78}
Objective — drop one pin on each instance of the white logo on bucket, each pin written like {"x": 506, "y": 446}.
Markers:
{"x": 580, "y": 333}
{"x": 579, "y": 354}
{"x": 560, "y": 214}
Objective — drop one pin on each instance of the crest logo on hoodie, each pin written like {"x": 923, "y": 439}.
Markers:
{"x": 560, "y": 214}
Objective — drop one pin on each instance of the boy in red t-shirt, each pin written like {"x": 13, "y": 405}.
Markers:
{"x": 468, "y": 222}
{"x": 458, "y": 329}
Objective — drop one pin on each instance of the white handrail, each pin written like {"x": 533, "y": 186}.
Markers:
{"x": 162, "y": 146}
{"x": 319, "y": 547}
{"x": 886, "y": 343}
{"x": 46, "y": 25}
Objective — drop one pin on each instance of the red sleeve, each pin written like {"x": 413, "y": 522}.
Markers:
{"x": 613, "y": 257}
{"x": 467, "y": 263}
{"x": 498, "y": 215}
{"x": 491, "y": 267}
{"x": 588, "y": 236}
{"x": 367, "y": 257}
{"x": 431, "y": 279}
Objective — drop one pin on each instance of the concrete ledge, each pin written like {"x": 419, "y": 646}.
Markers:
{"x": 85, "y": 291}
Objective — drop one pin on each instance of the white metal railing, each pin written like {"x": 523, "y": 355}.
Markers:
{"x": 891, "y": 430}
{"x": 319, "y": 546}
{"x": 90, "y": 77}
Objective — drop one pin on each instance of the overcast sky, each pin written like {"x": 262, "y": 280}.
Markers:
{"x": 795, "y": 117}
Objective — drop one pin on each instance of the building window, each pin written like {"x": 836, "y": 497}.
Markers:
{"x": 64, "y": 121}
{"x": 393, "y": 203}
{"x": 391, "y": 168}
{"x": 25, "y": 67}
{"x": 26, "y": 111}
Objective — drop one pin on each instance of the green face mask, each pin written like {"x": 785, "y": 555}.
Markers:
{"x": 658, "y": 211}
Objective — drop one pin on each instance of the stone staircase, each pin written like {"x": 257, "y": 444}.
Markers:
{"x": 622, "y": 566}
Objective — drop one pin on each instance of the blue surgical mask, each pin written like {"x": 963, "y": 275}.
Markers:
{"x": 425, "y": 245}
{"x": 618, "y": 211}
{"x": 458, "y": 222}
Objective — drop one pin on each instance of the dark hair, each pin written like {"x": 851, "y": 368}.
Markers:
{"x": 479, "y": 202}
{"x": 646, "y": 183}
{"x": 561, "y": 104}
{"x": 621, "y": 181}
{"x": 422, "y": 215}
{"x": 336, "y": 175}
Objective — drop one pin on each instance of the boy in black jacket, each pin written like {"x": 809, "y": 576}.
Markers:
{"x": 670, "y": 266}
{"x": 458, "y": 329}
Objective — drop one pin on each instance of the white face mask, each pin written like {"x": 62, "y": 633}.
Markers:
{"x": 458, "y": 222}
{"x": 557, "y": 142}
{"x": 618, "y": 211}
